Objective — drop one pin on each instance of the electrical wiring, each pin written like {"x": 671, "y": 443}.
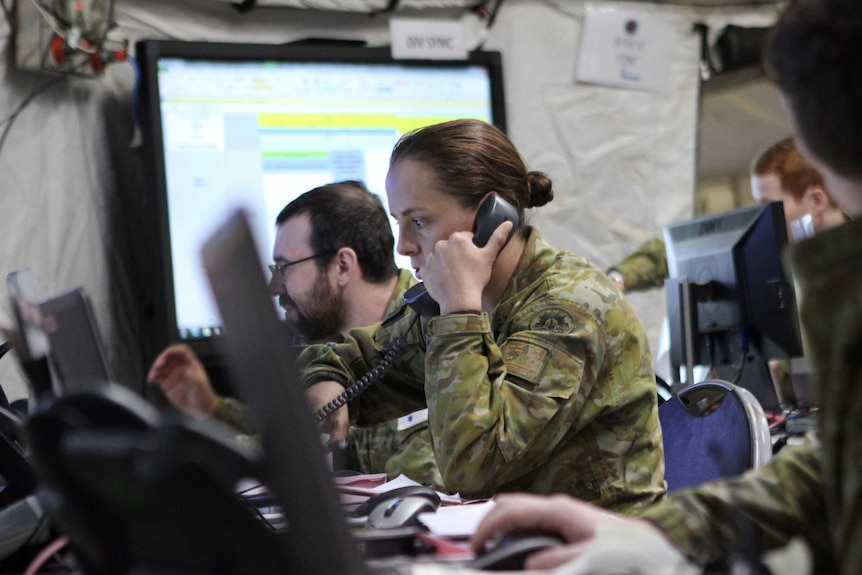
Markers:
{"x": 74, "y": 38}
{"x": 10, "y": 119}
{"x": 45, "y": 554}
{"x": 50, "y": 21}
{"x": 7, "y": 12}
{"x": 490, "y": 16}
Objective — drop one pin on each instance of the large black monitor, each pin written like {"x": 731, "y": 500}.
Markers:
{"x": 228, "y": 125}
{"x": 730, "y": 305}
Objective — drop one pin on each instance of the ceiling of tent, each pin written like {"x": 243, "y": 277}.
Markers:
{"x": 386, "y": 5}
{"x": 736, "y": 123}
{"x": 713, "y": 3}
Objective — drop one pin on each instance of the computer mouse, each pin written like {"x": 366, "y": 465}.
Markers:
{"x": 400, "y": 512}
{"x": 366, "y": 507}
{"x": 509, "y": 554}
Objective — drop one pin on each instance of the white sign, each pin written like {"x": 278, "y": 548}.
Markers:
{"x": 424, "y": 39}
{"x": 625, "y": 48}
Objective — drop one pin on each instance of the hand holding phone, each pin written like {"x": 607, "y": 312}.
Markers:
{"x": 493, "y": 211}
{"x": 325, "y": 398}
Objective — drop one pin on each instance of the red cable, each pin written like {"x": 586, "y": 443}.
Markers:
{"x": 46, "y": 554}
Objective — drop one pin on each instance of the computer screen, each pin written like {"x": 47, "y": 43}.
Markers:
{"x": 730, "y": 305}
{"x": 253, "y": 126}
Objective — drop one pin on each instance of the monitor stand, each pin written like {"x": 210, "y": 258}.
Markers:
{"x": 730, "y": 361}
{"x": 756, "y": 378}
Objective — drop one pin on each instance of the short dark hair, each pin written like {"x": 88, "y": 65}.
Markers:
{"x": 346, "y": 214}
{"x": 470, "y": 158}
{"x": 814, "y": 53}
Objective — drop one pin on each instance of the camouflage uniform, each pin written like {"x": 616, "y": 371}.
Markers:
{"x": 814, "y": 490}
{"x": 394, "y": 447}
{"x": 553, "y": 392}
{"x": 645, "y": 268}
{"x": 398, "y": 446}
{"x": 234, "y": 413}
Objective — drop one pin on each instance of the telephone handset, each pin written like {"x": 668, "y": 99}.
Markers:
{"x": 493, "y": 211}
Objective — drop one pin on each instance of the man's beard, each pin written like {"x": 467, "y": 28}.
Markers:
{"x": 322, "y": 316}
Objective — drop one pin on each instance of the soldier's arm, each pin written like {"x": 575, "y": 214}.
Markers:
{"x": 395, "y": 391}
{"x": 499, "y": 410}
{"x": 487, "y": 410}
{"x": 757, "y": 511}
{"x": 234, "y": 413}
{"x": 645, "y": 268}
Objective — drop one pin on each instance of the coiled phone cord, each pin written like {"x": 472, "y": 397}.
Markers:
{"x": 364, "y": 382}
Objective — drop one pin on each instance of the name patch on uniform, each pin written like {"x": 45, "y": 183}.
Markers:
{"x": 525, "y": 360}
{"x": 412, "y": 420}
{"x": 553, "y": 320}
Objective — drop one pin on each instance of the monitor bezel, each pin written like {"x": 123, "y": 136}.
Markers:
{"x": 160, "y": 327}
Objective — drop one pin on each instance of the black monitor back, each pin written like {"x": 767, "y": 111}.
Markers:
{"x": 77, "y": 350}
{"x": 741, "y": 304}
{"x": 258, "y": 347}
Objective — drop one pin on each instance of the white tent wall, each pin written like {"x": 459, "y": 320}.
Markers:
{"x": 623, "y": 162}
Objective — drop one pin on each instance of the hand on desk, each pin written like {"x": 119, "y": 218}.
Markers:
{"x": 569, "y": 518}
{"x": 184, "y": 381}
{"x": 594, "y": 537}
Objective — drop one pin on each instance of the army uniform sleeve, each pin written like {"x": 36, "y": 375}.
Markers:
{"x": 646, "y": 268}
{"x": 234, "y": 413}
{"x": 498, "y": 412}
{"x": 752, "y": 513}
{"x": 397, "y": 391}
{"x": 415, "y": 457}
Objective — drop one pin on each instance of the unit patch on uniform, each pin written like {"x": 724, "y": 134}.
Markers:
{"x": 554, "y": 320}
{"x": 524, "y": 360}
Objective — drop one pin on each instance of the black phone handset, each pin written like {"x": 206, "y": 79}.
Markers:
{"x": 493, "y": 211}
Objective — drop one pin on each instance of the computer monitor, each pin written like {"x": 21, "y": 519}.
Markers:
{"x": 730, "y": 305}
{"x": 30, "y": 340}
{"x": 226, "y": 125}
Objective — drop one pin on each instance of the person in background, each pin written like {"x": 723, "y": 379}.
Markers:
{"x": 643, "y": 269}
{"x": 778, "y": 174}
{"x": 536, "y": 373}
{"x": 813, "y": 492}
{"x": 334, "y": 270}
{"x": 781, "y": 174}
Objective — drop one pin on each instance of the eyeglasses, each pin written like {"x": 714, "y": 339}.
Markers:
{"x": 278, "y": 269}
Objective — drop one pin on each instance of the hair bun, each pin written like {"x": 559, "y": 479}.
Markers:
{"x": 541, "y": 189}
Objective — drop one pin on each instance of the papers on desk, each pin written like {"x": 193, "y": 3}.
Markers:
{"x": 374, "y": 483}
{"x": 454, "y": 519}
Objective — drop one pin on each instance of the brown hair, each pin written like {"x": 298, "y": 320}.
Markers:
{"x": 471, "y": 158}
{"x": 346, "y": 214}
{"x": 795, "y": 174}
